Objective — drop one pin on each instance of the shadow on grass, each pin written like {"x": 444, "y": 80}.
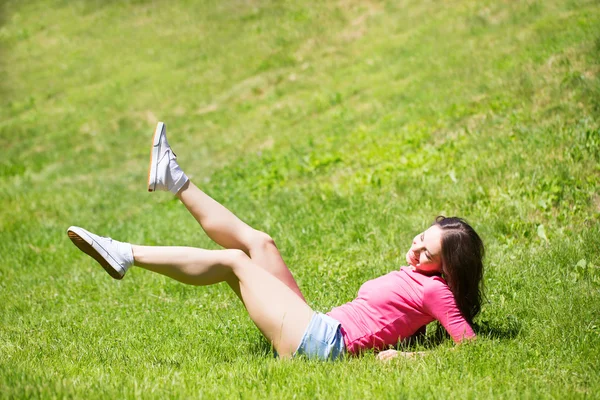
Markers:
{"x": 262, "y": 348}
{"x": 507, "y": 329}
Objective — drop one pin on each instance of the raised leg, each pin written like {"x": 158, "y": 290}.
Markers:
{"x": 276, "y": 310}
{"x": 227, "y": 230}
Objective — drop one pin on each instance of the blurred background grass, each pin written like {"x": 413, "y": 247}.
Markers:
{"x": 342, "y": 129}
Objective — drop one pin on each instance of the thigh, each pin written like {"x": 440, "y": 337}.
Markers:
{"x": 265, "y": 253}
{"x": 276, "y": 309}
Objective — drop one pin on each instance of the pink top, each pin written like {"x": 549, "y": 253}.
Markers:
{"x": 394, "y": 306}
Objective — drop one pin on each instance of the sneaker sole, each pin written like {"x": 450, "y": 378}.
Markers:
{"x": 154, "y": 156}
{"x": 83, "y": 242}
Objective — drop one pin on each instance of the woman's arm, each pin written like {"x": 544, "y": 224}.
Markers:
{"x": 439, "y": 302}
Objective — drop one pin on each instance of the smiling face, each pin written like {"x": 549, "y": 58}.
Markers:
{"x": 425, "y": 254}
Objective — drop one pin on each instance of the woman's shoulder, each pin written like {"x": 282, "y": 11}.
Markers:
{"x": 434, "y": 284}
{"x": 433, "y": 280}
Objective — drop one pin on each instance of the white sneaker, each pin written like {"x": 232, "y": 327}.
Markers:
{"x": 164, "y": 172}
{"x": 114, "y": 256}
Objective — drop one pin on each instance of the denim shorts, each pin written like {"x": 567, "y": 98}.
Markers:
{"x": 322, "y": 340}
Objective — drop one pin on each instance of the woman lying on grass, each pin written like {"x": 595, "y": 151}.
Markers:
{"x": 441, "y": 281}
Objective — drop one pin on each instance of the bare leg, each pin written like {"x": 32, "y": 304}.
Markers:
{"x": 227, "y": 230}
{"x": 275, "y": 309}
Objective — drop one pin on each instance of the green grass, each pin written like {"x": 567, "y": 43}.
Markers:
{"x": 340, "y": 128}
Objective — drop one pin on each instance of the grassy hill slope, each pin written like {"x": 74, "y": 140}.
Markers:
{"x": 342, "y": 129}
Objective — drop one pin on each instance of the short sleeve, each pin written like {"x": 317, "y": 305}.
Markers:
{"x": 439, "y": 302}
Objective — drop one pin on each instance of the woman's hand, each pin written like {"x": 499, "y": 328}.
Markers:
{"x": 387, "y": 355}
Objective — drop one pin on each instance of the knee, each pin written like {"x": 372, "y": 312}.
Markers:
{"x": 261, "y": 241}
{"x": 236, "y": 258}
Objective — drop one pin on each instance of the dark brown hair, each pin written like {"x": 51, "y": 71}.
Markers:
{"x": 462, "y": 264}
